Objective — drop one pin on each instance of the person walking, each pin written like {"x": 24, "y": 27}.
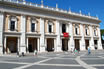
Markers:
{"x": 89, "y": 50}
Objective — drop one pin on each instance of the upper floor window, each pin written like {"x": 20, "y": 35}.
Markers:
{"x": 50, "y": 27}
{"x": 76, "y": 29}
{"x": 63, "y": 28}
{"x": 12, "y": 26}
{"x": 33, "y": 25}
{"x": 95, "y": 31}
{"x": 86, "y": 30}
{"x": 13, "y": 23}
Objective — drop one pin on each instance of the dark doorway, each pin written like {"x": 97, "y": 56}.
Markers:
{"x": 65, "y": 44}
{"x": 95, "y": 44}
{"x": 87, "y": 43}
{"x": 50, "y": 44}
{"x": 11, "y": 45}
{"x": 32, "y": 44}
{"x": 30, "y": 48}
{"x": 77, "y": 44}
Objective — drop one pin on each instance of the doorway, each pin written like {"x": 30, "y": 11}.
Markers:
{"x": 11, "y": 45}
{"x": 87, "y": 43}
{"x": 50, "y": 44}
{"x": 65, "y": 44}
{"x": 32, "y": 44}
{"x": 77, "y": 44}
{"x": 96, "y": 44}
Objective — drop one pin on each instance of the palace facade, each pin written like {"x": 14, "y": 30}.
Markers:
{"x": 25, "y": 27}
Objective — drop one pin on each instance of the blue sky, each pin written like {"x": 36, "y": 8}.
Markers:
{"x": 95, "y": 7}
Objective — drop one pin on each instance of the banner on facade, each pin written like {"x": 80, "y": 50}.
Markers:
{"x": 66, "y": 34}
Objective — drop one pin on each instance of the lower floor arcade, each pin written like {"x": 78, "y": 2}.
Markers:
{"x": 13, "y": 44}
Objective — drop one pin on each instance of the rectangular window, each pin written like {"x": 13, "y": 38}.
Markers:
{"x": 86, "y": 32}
{"x": 12, "y": 26}
{"x": 76, "y": 31}
{"x": 33, "y": 27}
{"x": 63, "y": 28}
{"x": 50, "y": 28}
{"x": 95, "y": 32}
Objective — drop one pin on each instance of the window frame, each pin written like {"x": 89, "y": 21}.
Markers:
{"x": 76, "y": 31}
{"x": 33, "y": 21}
{"x": 86, "y": 30}
{"x": 65, "y": 29}
{"x": 12, "y": 18}
{"x": 50, "y": 23}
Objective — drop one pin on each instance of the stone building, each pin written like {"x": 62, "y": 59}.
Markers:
{"x": 25, "y": 27}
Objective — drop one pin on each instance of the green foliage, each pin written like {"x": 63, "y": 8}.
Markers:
{"x": 102, "y": 31}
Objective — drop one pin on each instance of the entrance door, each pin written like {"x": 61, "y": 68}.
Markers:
{"x": 32, "y": 44}
{"x": 87, "y": 43}
{"x": 64, "y": 44}
{"x": 95, "y": 44}
{"x": 50, "y": 45}
{"x": 11, "y": 45}
{"x": 77, "y": 44}
{"x": 30, "y": 48}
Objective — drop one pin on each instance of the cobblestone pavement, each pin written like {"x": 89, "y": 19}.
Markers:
{"x": 63, "y": 60}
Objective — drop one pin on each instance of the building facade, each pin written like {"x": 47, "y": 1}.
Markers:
{"x": 25, "y": 27}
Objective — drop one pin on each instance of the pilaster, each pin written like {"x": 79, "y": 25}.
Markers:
{"x": 58, "y": 39}
{"x": 1, "y": 31}
{"x": 72, "y": 45}
{"x": 82, "y": 41}
{"x": 23, "y": 34}
{"x": 42, "y": 37}
{"x": 92, "y": 39}
{"x": 99, "y": 40}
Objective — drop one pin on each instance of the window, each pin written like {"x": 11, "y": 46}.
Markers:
{"x": 95, "y": 32}
{"x": 63, "y": 28}
{"x": 50, "y": 28}
{"x": 77, "y": 30}
{"x": 32, "y": 27}
{"x": 86, "y": 30}
{"x": 12, "y": 26}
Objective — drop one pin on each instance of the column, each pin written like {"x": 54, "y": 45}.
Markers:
{"x": 68, "y": 29}
{"x": 72, "y": 45}
{"x": 5, "y": 43}
{"x": 82, "y": 41}
{"x": 38, "y": 42}
{"x": 99, "y": 40}
{"x": 58, "y": 39}
{"x": 18, "y": 48}
{"x": 92, "y": 39}
{"x": 1, "y": 32}
{"x": 23, "y": 35}
{"x": 55, "y": 46}
{"x": 27, "y": 49}
{"x": 42, "y": 37}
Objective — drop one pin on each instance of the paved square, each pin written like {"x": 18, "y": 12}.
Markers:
{"x": 63, "y": 60}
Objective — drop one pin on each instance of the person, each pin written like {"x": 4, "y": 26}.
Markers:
{"x": 71, "y": 50}
{"x": 89, "y": 51}
{"x": 35, "y": 52}
{"x": 75, "y": 51}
